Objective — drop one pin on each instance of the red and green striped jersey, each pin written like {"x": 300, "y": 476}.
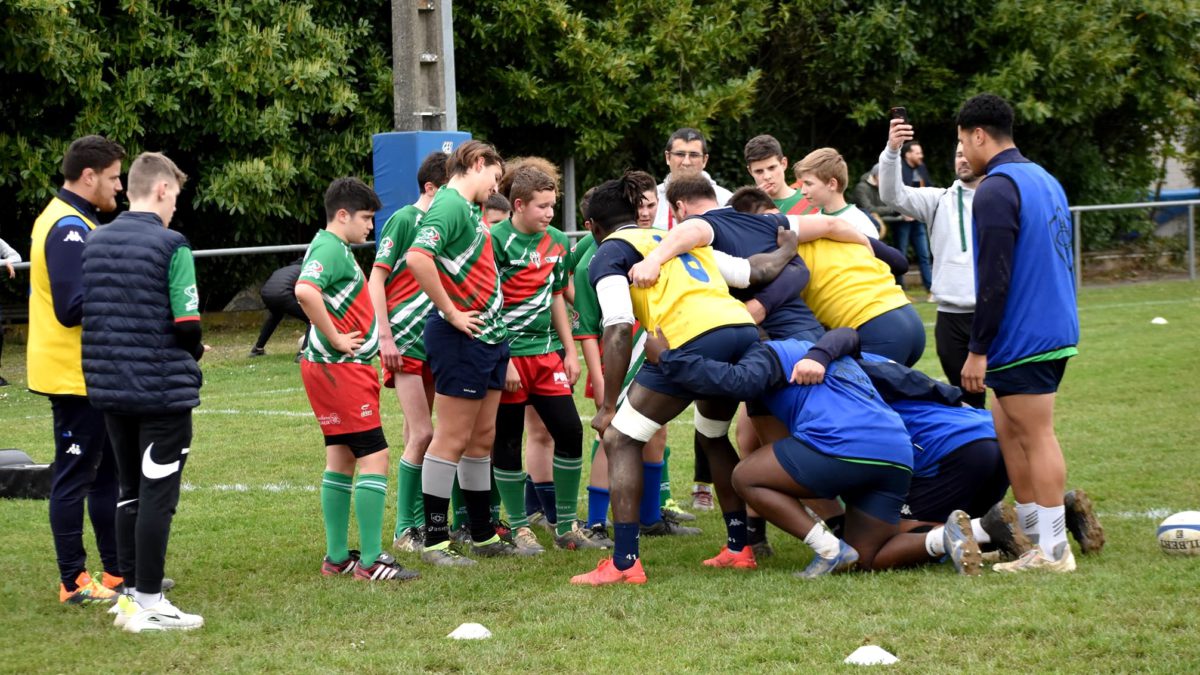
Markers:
{"x": 796, "y": 205}
{"x": 330, "y": 267}
{"x": 407, "y": 305}
{"x": 181, "y": 285}
{"x": 533, "y": 269}
{"x": 453, "y": 233}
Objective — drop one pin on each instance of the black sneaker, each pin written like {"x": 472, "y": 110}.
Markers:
{"x": 1082, "y": 522}
{"x": 668, "y": 527}
{"x": 461, "y": 536}
{"x": 257, "y": 351}
{"x": 762, "y": 549}
{"x": 600, "y": 536}
{"x": 496, "y": 549}
{"x": 1000, "y": 523}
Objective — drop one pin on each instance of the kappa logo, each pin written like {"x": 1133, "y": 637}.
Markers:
{"x": 428, "y": 237}
{"x": 313, "y": 269}
{"x": 73, "y": 235}
{"x": 331, "y": 419}
{"x": 385, "y": 248}
{"x": 74, "y": 449}
{"x": 905, "y": 511}
{"x": 734, "y": 522}
{"x": 366, "y": 410}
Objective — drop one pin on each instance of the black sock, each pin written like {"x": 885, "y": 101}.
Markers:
{"x": 735, "y": 530}
{"x": 437, "y": 527}
{"x": 479, "y": 514}
{"x": 756, "y": 530}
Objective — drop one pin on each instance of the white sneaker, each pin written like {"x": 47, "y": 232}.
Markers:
{"x": 124, "y": 609}
{"x": 162, "y": 615}
{"x": 1034, "y": 559}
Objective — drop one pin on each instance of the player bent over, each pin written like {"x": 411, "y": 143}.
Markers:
{"x": 343, "y": 386}
{"x": 400, "y": 311}
{"x": 451, "y": 258}
{"x": 690, "y": 302}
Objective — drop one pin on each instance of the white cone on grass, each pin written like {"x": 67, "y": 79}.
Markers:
{"x": 1158, "y": 321}
{"x": 470, "y": 631}
{"x": 871, "y": 655}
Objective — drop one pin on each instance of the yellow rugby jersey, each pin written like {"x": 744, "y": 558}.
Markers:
{"x": 848, "y": 286}
{"x": 690, "y": 297}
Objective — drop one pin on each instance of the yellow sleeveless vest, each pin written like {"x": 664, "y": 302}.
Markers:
{"x": 848, "y": 286}
{"x": 54, "y": 354}
{"x": 690, "y": 298}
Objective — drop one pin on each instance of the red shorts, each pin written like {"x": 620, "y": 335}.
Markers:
{"x": 409, "y": 366}
{"x": 542, "y": 375}
{"x": 343, "y": 396}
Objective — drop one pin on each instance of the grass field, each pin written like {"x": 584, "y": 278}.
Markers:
{"x": 248, "y": 540}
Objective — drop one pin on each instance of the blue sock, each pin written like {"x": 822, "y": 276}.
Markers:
{"x": 597, "y": 506}
{"x": 649, "y": 511}
{"x": 546, "y": 500}
{"x": 625, "y": 552}
{"x": 735, "y": 527}
{"x": 532, "y": 503}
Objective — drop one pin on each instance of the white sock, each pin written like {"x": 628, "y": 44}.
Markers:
{"x": 146, "y": 599}
{"x": 1027, "y": 520}
{"x": 980, "y": 534}
{"x": 1052, "y": 529}
{"x": 822, "y": 541}
{"x": 935, "y": 544}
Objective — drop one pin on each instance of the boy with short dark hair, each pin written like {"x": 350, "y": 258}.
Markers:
{"x": 343, "y": 386}
{"x": 767, "y": 165}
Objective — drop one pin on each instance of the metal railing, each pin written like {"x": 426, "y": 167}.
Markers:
{"x": 1077, "y": 234}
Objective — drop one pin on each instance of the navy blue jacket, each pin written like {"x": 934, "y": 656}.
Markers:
{"x": 133, "y": 362}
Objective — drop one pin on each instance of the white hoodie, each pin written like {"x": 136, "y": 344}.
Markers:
{"x": 948, "y": 212}
{"x": 663, "y": 218}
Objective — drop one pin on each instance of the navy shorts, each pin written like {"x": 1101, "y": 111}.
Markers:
{"x": 463, "y": 366}
{"x": 971, "y": 478}
{"x": 1035, "y": 377}
{"x": 726, "y": 343}
{"x": 898, "y": 334}
{"x": 875, "y": 489}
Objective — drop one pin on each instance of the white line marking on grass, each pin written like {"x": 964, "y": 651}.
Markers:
{"x": 243, "y": 487}
{"x": 268, "y": 392}
{"x": 1145, "y": 303}
{"x": 233, "y": 411}
{"x": 1149, "y": 514}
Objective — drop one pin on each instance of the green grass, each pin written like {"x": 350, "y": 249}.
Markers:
{"x": 248, "y": 539}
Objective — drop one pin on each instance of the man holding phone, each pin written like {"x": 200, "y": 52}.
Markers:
{"x": 915, "y": 174}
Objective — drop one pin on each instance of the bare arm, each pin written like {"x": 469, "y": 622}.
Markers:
{"x": 424, "y": 270}
{"x": 817, "y": 226}
{"x": 389, "y": 356}
{"x": 618, "y": 346}
{"x": 689, "y": 234}
{"x": 562, "y": 326}
{"x": 314, "y": 308}
{"x": 591, "y": 358}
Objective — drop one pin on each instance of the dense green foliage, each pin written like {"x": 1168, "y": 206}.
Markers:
{"x": 263, "y": 101}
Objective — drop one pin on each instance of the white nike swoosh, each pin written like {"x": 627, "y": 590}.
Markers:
{"x": 153, "y": 470}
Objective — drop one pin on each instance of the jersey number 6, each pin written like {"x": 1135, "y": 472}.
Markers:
{"x": 691, "y": 264}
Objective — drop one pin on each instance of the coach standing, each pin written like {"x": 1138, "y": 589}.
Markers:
{"x": 83, "y": 459}
{"x": 1026, "y": 324}
{"x": 141, "y": 344}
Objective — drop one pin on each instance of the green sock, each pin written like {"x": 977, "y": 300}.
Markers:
{"x": 495, "y": 499}
{"x": 417, "y": 501}
{"x": 408, "y": 482}
{"x": 511, "y": 485}
{"x": 458, "y": 505}
{"x": 370, "y": 495}
{"x": 595, "y": 448}
{"x": 335, "y": 508}
{"x": 664, "y": 493}
{"x": 566, "y": 491}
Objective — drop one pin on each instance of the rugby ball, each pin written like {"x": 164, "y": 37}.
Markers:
{"x": 1180, "y": 534}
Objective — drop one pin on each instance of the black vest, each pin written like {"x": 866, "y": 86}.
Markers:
{"x": 132, "y": 363}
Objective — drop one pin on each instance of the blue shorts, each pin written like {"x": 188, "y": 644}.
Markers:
{"x": 463, "y": 366}
{"x": 971, "y": 478}
{"x": 726, "y": 344}
{"x": 1035, "y": 377}
{"x": 898, "y": 334}
{"x": 875, "y": 489}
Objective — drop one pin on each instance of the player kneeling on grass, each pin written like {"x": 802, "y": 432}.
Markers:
{"x": 845, "y": 442}
{"x": 343, "y": 386}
